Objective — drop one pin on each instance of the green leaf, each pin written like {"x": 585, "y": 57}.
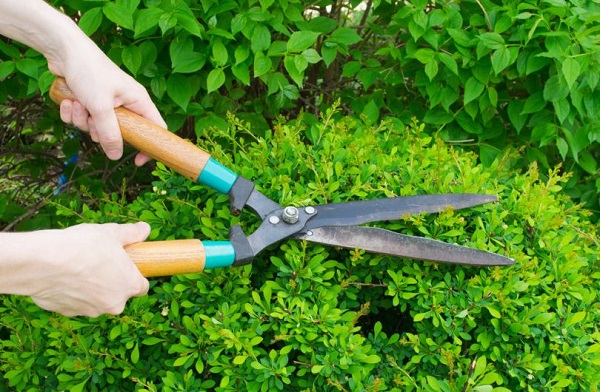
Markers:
{"x": 242, "y": 72}
{"x": 166, "y": 22}
{"x": 371, "y": 112}
{"x": 290, "y": 66}
{"x": 219, "y": 52}
{"x": 29, "y": 67}
{"x": 189, "y": 22}
{"x": 183, "y": 57}
{"x": 563, "y": 147}
{"x": 448, "y": 61}
{"x": 300, "y": 63}
{"x": 425, "y": 56}
{"x": 351, "y": 68}
{"x": 575, "y": 318}
{"x": 555, "y": 89}
{"x": 534, "y": 103}
{"x": 158, "y": 86}
{"x": 119, "y": 14}
{"x": 371, "y": 359}
{"x": 562, "y": 109}
{"x": 277, "y": 49}
{"x": 473, "y": 89}
{"x": 266, "y": 3}
{"x": 79, "y": 387}
{"x": 322, "y": 24}
{"x": 493, "y": 311}
{"x": 345, "y": 36}
{"x": 241, "y": 54}
{"x": 501, "y": 58}
{"x": 181, "y": 360}
{"x": 261, "y": 39}
{"x": 328, "y": 54}
{"x": 179, "y": 89}
{"x": 543, "y": 318}
{"x": 132, "y": 58}
{"x": 6, "y": 68}
{"x": 91, "y": 20}
{"x": 515, "y": 110}
{"x": 215, "y": 79}
{"x": 571, "y": 70}
{"x": 301, "y": 40}
{"x": 135, "y": 354}
{"x": 311, "y": 56}
{"x": 146, "y": 20}
{"x": 419, "y": 317}
{"x": 588, "y": 162}
{"x": 468, "y": 124}
{"x": 431, "y": 69}
{"x": 262, "y": 64}
{"x": 592, "y": 77}
{"x": 433, "y": 384}
{"x": 544, "y": 133}
{"x": 492, "y": 41}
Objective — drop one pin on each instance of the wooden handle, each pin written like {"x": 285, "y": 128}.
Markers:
{"x": 160, "y": 144}
{"x": 165, "y": 258}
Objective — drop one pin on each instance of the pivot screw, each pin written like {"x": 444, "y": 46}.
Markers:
{"x": 290, "y": 215}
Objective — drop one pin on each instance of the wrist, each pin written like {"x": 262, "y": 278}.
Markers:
{"x": 25, "y": 258}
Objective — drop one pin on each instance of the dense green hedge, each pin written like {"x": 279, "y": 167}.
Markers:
{"x": 483, "y": 74}
{"x": 309, "y": 317}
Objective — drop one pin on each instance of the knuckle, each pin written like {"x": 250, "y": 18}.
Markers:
{"x": 116, "y": 309}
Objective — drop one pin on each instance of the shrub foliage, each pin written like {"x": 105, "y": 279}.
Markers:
{"x": 491, "y": 75}
{"x": 310, "y": 317}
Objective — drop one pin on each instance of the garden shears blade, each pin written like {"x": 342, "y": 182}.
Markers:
{"x": 336, "y": 224}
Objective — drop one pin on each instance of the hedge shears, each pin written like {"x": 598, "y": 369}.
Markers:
{"x": 335, "y": 224}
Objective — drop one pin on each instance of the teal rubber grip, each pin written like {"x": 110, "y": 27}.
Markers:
{"x": 217, "y": 176}
{"x": 218, "y": 254}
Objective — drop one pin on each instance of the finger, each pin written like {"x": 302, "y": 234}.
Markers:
{"x": 130, "y": 233}
{"x": 108, "y": 131}
{"x": 93, "y": 131}
{"x": 66, "y": 111}
{"x": 144, "y": 286}
{"x": 141, "y": 159}
{"x": 79, "y": 116}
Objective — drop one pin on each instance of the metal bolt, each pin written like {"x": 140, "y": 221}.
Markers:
{"x": 273, "y": 220}
{"x": 309, "y": 210}
{"x": 290, "y": 215}
{"x": 309, "y": 233}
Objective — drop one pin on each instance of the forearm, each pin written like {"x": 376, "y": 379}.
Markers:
{"x": 40, "y": 26}
{"x": 23, "y": 260}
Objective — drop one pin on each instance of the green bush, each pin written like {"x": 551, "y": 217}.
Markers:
{"x": 310, "y": 317}
{"x": 488, "y": 75}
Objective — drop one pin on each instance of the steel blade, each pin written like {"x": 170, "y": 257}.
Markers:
{"x": 394, "y": 244}
{"x": 366, "y": 211}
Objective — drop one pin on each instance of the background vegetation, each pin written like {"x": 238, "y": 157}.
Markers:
{"x": 507, "y": 101}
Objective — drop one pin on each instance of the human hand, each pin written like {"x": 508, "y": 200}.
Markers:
{"x": 100, "y": 86}
{"x": 88, "y": 272}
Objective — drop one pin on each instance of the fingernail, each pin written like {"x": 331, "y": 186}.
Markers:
{"x": 113, "y": 154}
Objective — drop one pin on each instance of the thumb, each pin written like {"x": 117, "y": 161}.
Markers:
{"x": 130, "y": 233}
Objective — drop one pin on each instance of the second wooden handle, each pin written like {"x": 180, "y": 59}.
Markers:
{"x": 165, "y": 258}
{"x": 150, "y": 138}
